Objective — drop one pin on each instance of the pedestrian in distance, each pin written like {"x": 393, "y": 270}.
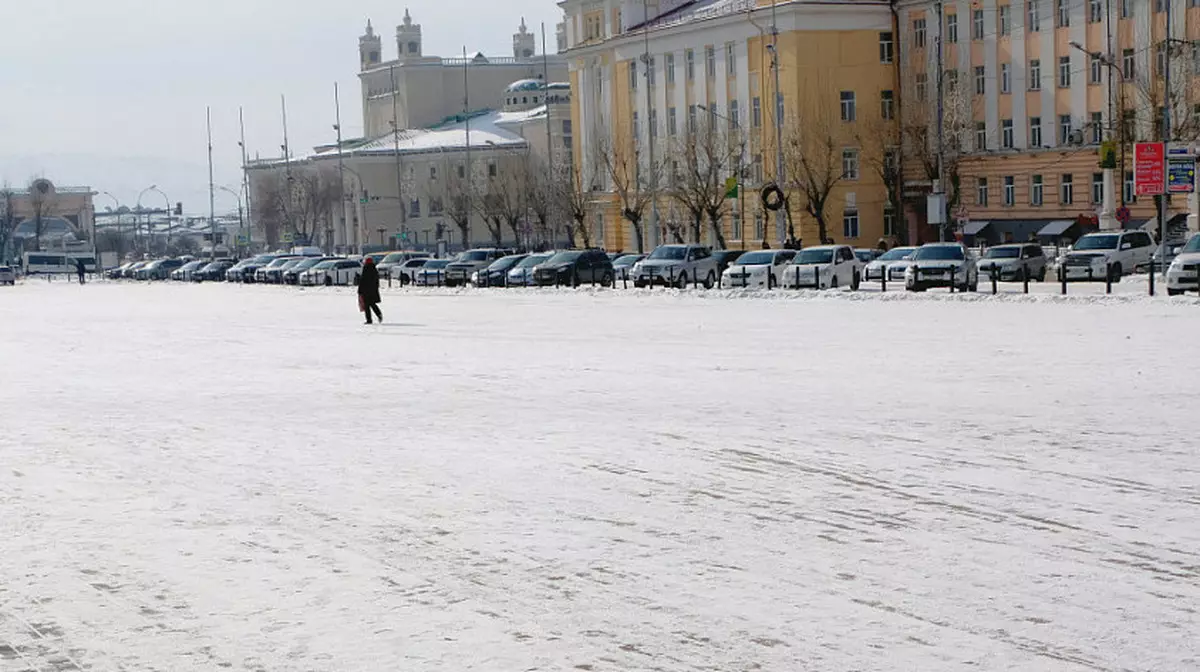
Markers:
{"x": 368, "y": 290}
{"x": 79, "y": 268}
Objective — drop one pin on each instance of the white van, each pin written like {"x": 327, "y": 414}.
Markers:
{"x": 51, "y": 263}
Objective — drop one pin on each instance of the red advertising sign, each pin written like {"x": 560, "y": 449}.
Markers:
{"x": 1149, "y": 168}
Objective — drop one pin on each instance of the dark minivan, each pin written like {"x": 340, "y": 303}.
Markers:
{"x": 575, "y": 267}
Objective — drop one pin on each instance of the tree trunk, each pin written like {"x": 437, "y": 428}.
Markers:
{"x": 697, "y": 223}
{"x": 715, "y": 221}
{"x": 515, "y": 225}
{"x": 464, "y": 230}
{"x": 581, "y": 226}
{"x": 636, "y": 222}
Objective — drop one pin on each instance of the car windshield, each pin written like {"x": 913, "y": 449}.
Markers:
{"x": 897, "y": 254}
{"x": 1003, "y": 253}
{"x": 671, "y": 253}
{"x": 756, "y": 258}
{"x": 302, "y": 264}
{"x": 1192, "y": 246}
{"x": 324, "y": 265}
{"x": 475, "y": 255}
{"x": 939, "y": 253}
{"x": 1106, "y": 241}
{"x": 532, "y": 261}
{"x": 814, "y": 256}
{"x": 393, "y": 258}
{"x": 564, "y": 257}
{"x": 627, "y": 260}
{"x": 193, "y": 265}
{"x": 414, "y": 263}
{"x": 214, "y": 266}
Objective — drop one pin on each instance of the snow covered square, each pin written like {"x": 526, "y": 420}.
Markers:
{"x": 244, "y": 477}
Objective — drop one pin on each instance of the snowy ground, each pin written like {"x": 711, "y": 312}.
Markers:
{"x": 221, "y": 477}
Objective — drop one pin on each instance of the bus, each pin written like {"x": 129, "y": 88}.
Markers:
{"x": 51, "y": 263}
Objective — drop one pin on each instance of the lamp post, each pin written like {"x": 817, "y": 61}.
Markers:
{"x": 361, "y": 228}
{"x": 117, "y": 211}
{"x": 241, "y": 222}
{"x": 147, "y": 217}
{"x": 739, "y": 170}
{"x": 167, "y": 204}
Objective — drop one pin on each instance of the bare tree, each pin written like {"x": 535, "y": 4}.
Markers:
{"x": 813, "y": 161}
{"x": 507, "y": 199}
{"x": 1150, "y": 93}
{"x": 41, "y": 201}
{"x": 540, "y": 198}
{"x": 705, "y": 158}
{"x": 881, "y": 141}
{"x": 8, "y": 219}
{"x": 631, "y": 176}
{"x": 315, "y": 192}
{"x": 455, "y": 193}
{"x": 270, "y": 206}
{"x": 918, "y": 131}
{"x": 575, "y": 194}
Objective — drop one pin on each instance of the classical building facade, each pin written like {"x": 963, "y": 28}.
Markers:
{"x": 59, "y": 216}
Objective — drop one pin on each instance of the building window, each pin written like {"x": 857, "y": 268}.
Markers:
{"x": 414, "y": 208}
{"x": 1036, "y": 190}
{"x": 712, "y": 115}
{"x": 1035, "y": 132}
{"x": 1005, "y": 20}
{"x": 735, "y": 225}
{"x": 756, "y": 169}
{"x": 919, "y": 34}
{"x": 462, "y": 172}
{"x": 850, "y": 224}
{"x": 1095, "y": 11}
{"x": 977, "y": 24}
{"x": 731, "y": 59}
{"x": 710, "y": 62}
{"x": 433, "y": 173}
{"x": 1095, "y": 69}
{"x": 691, "y": 127}
{"x": 760, "y": 226}
{"x": 952, "y": 81}
{"x": 1097, "y": 187}
{"x": 887, "y": 47}
{"x": 653, "y": 123}
{"x": 689, "y": 64}
{"x": 1067, "y": 190}
{"x": 633, "y": 75}
{"x": 850, "y": 164}
{"x": 922, "y": 86}
{"x": 980, "y": 135}
{"x": 1160, "y": 6}
{"x": 1097, "y": 127}
{"x": 847, "y": 106}
{"x": 1064, "y": 129}
{"x": 1034, "y": 22}
{"x": 756, "y": 112}
{"x": 1064, "y": 72}
{"x": 670, "y": 68}
{"x": 889, "y": 221}
{"x": 672, "y": 121}
{"x": 1127, "y": 64}
{"x": 651, "y": 72}
{"x": 1006, "y": 134}
{"x": 1160, "y": 58}
{"x": 435, "y": 207}
{"x": 1035, "y": 75}
{"x": 636, "y": 127}
{"x": 952, "y": 28}
{"x": 981, "y": 192}
{"x": 887, "y": 105}
{"x": 1064, "y": 14}
{"x": 1005, "y": 78}
{"x": 980, "y": 80}
{"x": 1010, "y": 190}
{"x": 1128, "y": 192}
{"x": 566, "y": 126}
{"x": 1128, "y": 124}
{"x": 734, "y": 116}
{"x": 492, "y": 172}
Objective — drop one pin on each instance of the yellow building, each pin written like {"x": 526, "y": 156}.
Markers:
{"x": 646, "y": 90}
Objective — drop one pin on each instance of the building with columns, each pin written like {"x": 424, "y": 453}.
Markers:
{"x": 417, "y": 133}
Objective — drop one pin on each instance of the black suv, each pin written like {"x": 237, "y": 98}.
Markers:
{"x": 575, "y": 267}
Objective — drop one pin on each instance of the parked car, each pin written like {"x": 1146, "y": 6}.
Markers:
{"x": 521, "y": 275}
{"x": 395, "y": 259}
{"x": 289, "y": 273}
{"x": 574, "y": 268}
{"x": 458, "y": 272}
{"x": 1184, "y": 272}
{"x": 119, "y": 271}
{"x": 824, "y": 267}
{"x": 724, "y": 258}
{"x": 676, "y": 264}
{"x": 432, "y": 274}
{"x": 130, "y": 272}
{"x": 760, "y": 268}
{"x": 942, "y": 265}
{"x": 1013, "y": 262}
{"x": 272, "y": 273}
{"x": 159, "y": 270}
{"x": 213, "y": 271}
{"x": 184, "y": 272}
{"x": 333, "y": 272}
{"x": 623, "y": 265}
{"x": 1096, "y": 255}
{"x": 7, "y": 275}
{"x": 496, "y": 275}
{"x": 890, "y": 262}
{"x": 251, "y": 266}
{"x": 404, "y": 271}
{"x": 866, "y": 255}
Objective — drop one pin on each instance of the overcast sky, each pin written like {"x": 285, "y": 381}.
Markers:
{"x": 111, "y": 94}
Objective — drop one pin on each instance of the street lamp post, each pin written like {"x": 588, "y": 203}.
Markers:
{"x": 117, "y": 211}
{"x": 145, "y": 246}
{"x": 167, "y": 204}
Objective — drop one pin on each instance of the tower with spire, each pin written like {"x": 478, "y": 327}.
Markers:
{"x": 524, "y": 43}
{"x": 369, "y": 48}
{"x": 408, "y": 38}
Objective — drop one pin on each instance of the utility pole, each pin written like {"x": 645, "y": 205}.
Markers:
{"x": 939, "y": 190}
{"x": 779, "y": 176}
{"x": 337, "y": 126}
{"x": 245, "y": 172}
{"x": 470, "y": 179}
{"x": 396, "y": 146}
{"x": 1166, "y": 137}
{"x": 212, "y": 199}
{"x": 650, "y": 130}
{"x": 550, "y": 165}
{"x": 287, "y": 163}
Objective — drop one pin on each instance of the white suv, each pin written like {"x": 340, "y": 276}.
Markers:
{"x": 1096, "y": 255}
{"x": 1184, "y": 273}
{"x": 760, "y": 268}
{"x": 678, "y": 265}
{"x": 824, "y": 267}
{"x": 941, "y": 265}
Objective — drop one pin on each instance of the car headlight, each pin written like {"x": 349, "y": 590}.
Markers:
{"x": 475, "y": 276}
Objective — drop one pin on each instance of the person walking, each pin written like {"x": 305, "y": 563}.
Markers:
{"x": 80, "y": 269}
{"x": 368, "y": 290}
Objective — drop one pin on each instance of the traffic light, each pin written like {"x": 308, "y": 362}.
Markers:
{"x": 178, "y": 209}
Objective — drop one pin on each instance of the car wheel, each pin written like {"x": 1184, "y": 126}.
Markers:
{"x": 607, "y": 280}
{"x": 1174, "y": 292}
{"x": 681, "y": 281}
{"x": 1041, "y": 276}
{"x": 328, "y": 281}
{"x": 710, "y": 281}
{"x": 771, "y": 281}
{"x": 855, "y": 282}
{"x": 833, "y": 283}
{"x": 974, "y": 284}
{"x": 1117, "y": 272}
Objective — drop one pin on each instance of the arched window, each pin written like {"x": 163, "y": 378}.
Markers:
{"x": 373, "y": 57}
{"x": 528, "y": 53}
{"x": 414, "y": 47}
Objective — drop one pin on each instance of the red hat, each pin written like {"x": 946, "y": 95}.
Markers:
{"x": 369, "y": 261}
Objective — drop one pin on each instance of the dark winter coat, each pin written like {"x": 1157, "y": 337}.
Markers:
{"x": 368, "y": 284}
